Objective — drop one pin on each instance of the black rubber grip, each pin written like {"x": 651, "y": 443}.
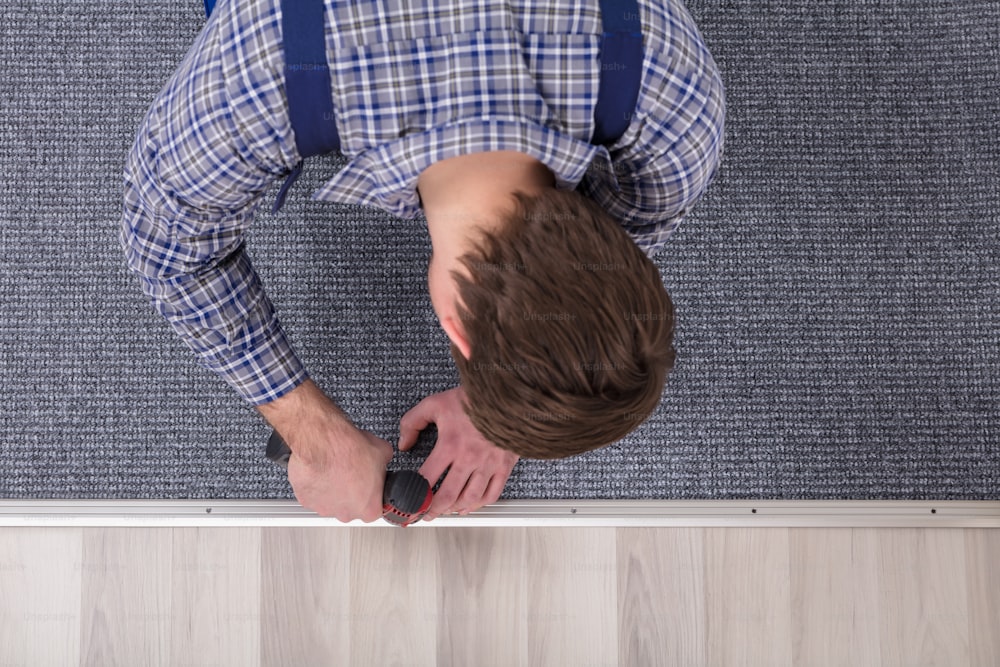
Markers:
{"x": 277, "y": 450}
{"x": 405, "y": 491}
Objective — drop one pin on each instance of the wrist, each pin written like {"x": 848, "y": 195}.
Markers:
{"x": 303, "y": 413}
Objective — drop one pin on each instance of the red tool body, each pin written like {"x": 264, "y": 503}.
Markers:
{"x": 406, "y": 495}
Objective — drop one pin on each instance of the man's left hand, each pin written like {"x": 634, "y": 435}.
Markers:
{"x": 479, "y": 469}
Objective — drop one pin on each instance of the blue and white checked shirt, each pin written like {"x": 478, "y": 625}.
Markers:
{"x": 413, "y": 83}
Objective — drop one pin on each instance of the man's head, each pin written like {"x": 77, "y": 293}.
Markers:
{"x": 560, "y": 325}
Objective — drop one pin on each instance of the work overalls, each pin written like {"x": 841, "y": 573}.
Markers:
{"x": 310, "y": 99}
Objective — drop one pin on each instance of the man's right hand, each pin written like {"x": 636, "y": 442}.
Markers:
{"x": 336, "y": 469}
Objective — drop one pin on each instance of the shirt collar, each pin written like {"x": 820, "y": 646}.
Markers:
{"x": 386, "y": 176}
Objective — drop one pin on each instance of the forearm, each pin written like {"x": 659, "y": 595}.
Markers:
{"x": 305, "y": 417}
{"x": 203, "y": 283}
{"x": 224, "y": 316}
{"x": 198, "y": 277}
{"x": 248, "y": 348}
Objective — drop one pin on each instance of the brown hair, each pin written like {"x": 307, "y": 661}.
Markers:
{"x": 570, "y": 328}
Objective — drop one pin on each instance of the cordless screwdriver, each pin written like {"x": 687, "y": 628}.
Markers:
{"x": 406, "y": 495}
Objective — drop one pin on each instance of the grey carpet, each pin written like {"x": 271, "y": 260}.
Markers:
{"x": 838, "y": 291}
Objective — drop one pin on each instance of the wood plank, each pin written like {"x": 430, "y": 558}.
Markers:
{"x": 481, "y": 604}
{"x": 748, "y": 597}
{"x": 126, "y": 597}
{"x": 394, "y": 597}
{"x": 923, "y": 602}
{"x": 40, "y": 603}
{"x": 661, "y": 588}
{"x": 305, "y": 601}
{"x": 572, "y": 596}
{"x": 834, "y": 588}
{"x": 215, "y": 596}
{"x": 982, "y": 549}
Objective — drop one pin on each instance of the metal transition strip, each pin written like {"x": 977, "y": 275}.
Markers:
{"x": 542, "y": 513}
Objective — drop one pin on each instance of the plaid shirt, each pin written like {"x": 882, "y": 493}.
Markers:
{"x": 412, "y": 84}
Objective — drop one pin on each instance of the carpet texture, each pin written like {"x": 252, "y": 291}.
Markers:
{"x": 837, "y": 291}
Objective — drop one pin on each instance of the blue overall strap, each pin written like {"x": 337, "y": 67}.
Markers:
{"x": 307, "y": 84}
{"x": 621, "y": 69}
{"x": 307, "y": 77}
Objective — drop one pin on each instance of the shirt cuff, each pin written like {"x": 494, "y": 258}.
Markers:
{"x": 265, "y": 370}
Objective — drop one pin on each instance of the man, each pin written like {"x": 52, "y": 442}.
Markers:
{"x": 479, "y": 114}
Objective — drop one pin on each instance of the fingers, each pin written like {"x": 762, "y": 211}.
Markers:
{"x": 474, "y": 469}
{"x": 472, "y": 497}
{"x": 465, "y": 493}
{"x": 417, "y": 418}
{"x": 494, "y": 489}
{"x": 481, "y": 491}
{"x": 465, "y": 489}
{"x": 437, "y": 464}
{"x": 446, "y": 496}
{"x": 373, "y": 512}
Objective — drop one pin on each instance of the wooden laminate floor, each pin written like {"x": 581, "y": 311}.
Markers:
{"x": 499, "y": 596}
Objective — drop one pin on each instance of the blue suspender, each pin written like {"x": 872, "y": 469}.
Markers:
{"x": 307, "y": 84}
{"x": 310, "y": 100}
{"x": 307, "y": 77}
{"x": 621, "y": 70}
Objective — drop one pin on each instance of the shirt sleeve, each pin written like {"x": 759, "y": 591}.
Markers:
{"x": 653, "y": 182}
{"x": 192, "y": 182}
{"x": 671, "y": 180}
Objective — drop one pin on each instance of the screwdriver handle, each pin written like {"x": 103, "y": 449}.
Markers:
{"x": 406, "y": 495}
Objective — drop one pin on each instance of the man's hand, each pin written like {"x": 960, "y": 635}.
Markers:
{"x": 336, "y": 469}
{"x": 479, "y": 469}
{"x": 347, "y": 482}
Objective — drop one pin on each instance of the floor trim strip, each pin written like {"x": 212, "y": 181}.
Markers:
{"x": 552, "y": 513}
